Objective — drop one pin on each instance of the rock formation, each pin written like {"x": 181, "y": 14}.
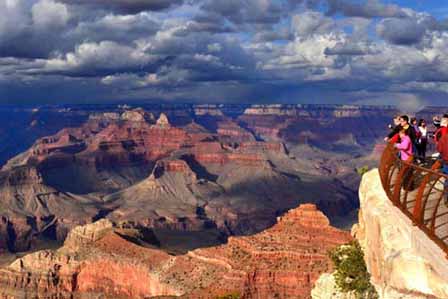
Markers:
{"x": 212, "y": 174}
{"x": 403, "y": 262}
{"x": 197, "y": 175}
{"x": 325, "y": 288}
{"x": 283, "y": 261}
{"x": 163, "y": 122}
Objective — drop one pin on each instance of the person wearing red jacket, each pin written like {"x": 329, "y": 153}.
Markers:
{"x": 442, "y": 148}
{"x": 440, "y": 133}
{"x": 442, "y": 129}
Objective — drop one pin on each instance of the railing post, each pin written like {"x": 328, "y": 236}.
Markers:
{"x": 418, "y": 212}
{"x": 387, "y": 162}
{"x": 405, "y": 167}
{"x": 428, "y": 191}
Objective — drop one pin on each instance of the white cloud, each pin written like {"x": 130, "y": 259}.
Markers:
{"x": 311, "y": 22}
{"x": 105, "y": 55}
{"x": 48, "y": 14}
{"x": 255, "y": 44}
{"x": 310, "y": 51}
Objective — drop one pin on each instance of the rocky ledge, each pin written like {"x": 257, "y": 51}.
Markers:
{"x": 403, "y": 262}
{"x": 99, "y": 260}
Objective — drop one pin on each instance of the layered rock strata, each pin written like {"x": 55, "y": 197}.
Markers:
{"x": 283, "y": 261}
{"x": 210, "y": 173}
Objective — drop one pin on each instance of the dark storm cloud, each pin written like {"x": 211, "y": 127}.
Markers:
{"x": 200, "y": 55}
{"x": 124, "y": 29}
{"x": 210, "y": 22}
{"x": 350, "y": 49}
{"x": 401, "y": 31}
{"x": 246, "y": 11}
{"x": 27, "y": 44}
{"x": 31, "y": 29}
{"x": 366, "y": 9}
{"x": 250, "y": 49}
{"x": 126, "y": 6}
{"x": 409, "y": 30}
{"x": 273, "y": 35}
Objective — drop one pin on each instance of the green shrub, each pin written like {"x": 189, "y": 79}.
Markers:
{"x": 351, "y": 272}
{"x": 362, "y": 170}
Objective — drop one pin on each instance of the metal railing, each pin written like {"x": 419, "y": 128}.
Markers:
{"x": 419, "y": 191}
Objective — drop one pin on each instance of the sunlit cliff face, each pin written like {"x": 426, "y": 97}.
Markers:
{"x": 285, "y": 259}
{"x": 402, "y": 260}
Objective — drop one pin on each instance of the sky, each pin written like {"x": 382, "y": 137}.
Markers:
{"x": 233, "y": 51}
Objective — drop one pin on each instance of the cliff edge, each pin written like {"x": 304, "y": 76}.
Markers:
{"x": 402, "y": 260}
{"x": 99, "y": 260}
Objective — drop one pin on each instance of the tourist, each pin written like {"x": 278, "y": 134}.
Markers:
{"x": 422, "y": 141}
{"x": 410, "y": 131}
{"x": 442, "y": 130}
{"x": 405, "y": 145}
{"x": 436, "y": 121}
{"x": 396, "y": 123}
{"x": 414, "y": 125}
{"x": 394, "y": 129}
{"x": 442, "y": 148}
{"x": 404, "y": 124}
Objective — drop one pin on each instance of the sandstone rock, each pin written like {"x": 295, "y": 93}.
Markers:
{"x": 107, "y": 116}
{"x": 87, "y": 234}
{"x": 283, "y": 261}
{"x": 23, "y": 189}
{"x": 15, "y": 233}
{"x": 325, "y": 288}
{"x": 270, "y": 110}
{"x": 347, "y": 111}
{"x": 40, "y": 274}
{"x": 174, "y": 166}
{"x": 229, "y": 130}
{"x": 133, "y": 115}
{"x": 308, "y": 215}
{"x": 163, "y": 122}
{"x": 215, "y": 174}
{"x": 207, "y": 110}
{"x": 403, "y": 262}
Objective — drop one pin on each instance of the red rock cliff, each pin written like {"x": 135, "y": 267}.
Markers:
{"x": 283, "y": 261}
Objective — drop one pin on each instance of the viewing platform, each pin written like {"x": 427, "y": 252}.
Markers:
{"x": 401, "y": 229}
{"x": 419, "y": 192}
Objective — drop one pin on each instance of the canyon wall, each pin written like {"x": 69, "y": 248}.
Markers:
{"x": 140, "y": 170}
{"x": 102, "y": 261}
{"x": 403, "y": 262}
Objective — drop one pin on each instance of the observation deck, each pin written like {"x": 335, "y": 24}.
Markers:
{"x": 419, "y": 191}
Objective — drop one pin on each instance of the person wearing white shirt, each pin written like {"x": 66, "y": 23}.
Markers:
{"x": 422, "y": 140}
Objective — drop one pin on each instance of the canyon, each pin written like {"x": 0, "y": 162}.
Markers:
{"x": 283, "y": 261}
{"x": 203, "y": 189}
{"x": 224, "y": 170}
